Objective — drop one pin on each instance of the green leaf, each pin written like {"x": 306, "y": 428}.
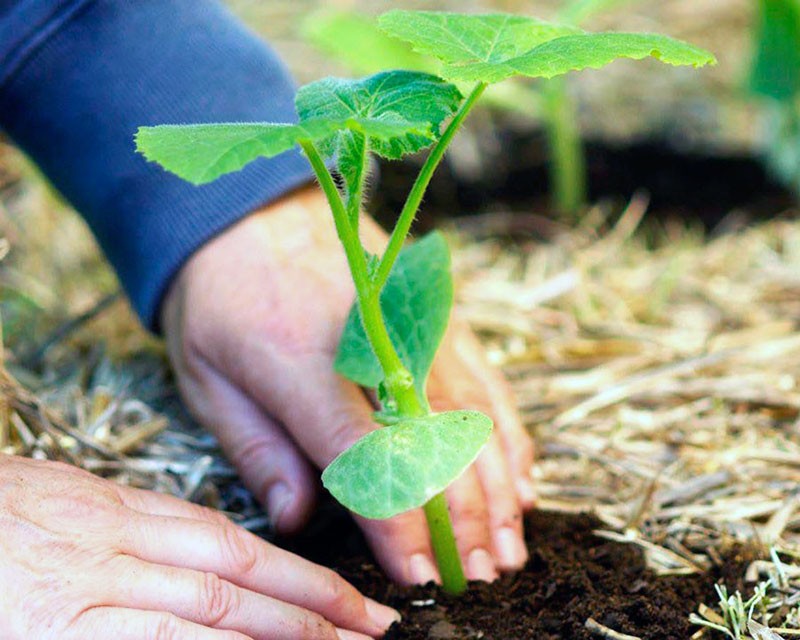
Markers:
{"x": 391, "y": 113}
{"x": 492, "y": 47}
{"x": 461, "y": 39}
{"x": 201, "y": 153}
{"x": 419, "y": 99}
{"x": 416, "y": 303}
{"x": 359, "y": 44}
{"x": 776, "y": 64}
{"x": 402, "y": 466}
{"x": 595, "y": 50}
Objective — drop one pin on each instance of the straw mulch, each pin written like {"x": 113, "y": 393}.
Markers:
{"x": 658, "y": 370}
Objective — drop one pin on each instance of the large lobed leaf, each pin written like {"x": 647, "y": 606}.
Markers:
{"x": 492, "y": 47}
{"x": 391, "y": 113}
{"x": 401, "y": 467}
{"x": 416, "y": 302}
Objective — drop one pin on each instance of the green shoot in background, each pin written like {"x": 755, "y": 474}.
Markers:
{"x": 403, "y": 296}
{"x": 775, "y": 80}
{"x": 360, "y": 45}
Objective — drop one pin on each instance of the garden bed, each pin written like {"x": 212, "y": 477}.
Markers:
{"x": 577, "y": 584}
{"x": 657, "y": 365}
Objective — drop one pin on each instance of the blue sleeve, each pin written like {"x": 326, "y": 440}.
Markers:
{"x": 77, "y": 77}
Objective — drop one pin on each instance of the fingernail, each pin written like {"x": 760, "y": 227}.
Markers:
{"x": 344, "y": 634}
{"x": 511, "y": 550}
{"x": 526, "y": 491}
{"x": 279, "y": 497}
{"x": 421, "y": 569}
{"x": 380, "y": 614}
{"x": 480, "y": 566}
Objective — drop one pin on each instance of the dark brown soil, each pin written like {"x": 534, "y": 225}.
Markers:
{"x": 572, "y": 575}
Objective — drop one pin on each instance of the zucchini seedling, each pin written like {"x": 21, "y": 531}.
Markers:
{"x": 404, "y": 295}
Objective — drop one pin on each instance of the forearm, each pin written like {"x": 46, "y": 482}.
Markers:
{"x": 75, "y": 88}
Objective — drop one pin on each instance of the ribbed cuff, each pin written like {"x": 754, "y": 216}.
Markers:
{"x": 75, "y": 102}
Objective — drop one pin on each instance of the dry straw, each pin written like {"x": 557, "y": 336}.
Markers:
{"x": 658, "y": 370}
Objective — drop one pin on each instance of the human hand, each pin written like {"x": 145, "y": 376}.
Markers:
{"x": 252, "y": 323}
{"x": 85, "y": 559}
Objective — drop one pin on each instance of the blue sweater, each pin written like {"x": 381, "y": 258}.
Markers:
{"x": 77, "y": 77}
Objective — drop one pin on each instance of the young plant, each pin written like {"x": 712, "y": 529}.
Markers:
{"x": 404, "y": 295}
{"x": 737, "y": 613}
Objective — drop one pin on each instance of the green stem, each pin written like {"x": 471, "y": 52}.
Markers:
{"x": 414, "y": 199}
{"x": 568, "y": 165}
{"x": 398, "y": 380}
{"x": 348, "y": 236}
{"x": 444, "y": 545}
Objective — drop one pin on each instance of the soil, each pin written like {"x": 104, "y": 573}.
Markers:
{"x": 572, "y": 575}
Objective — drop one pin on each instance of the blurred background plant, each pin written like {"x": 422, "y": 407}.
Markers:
{"x": 774, "y": 81}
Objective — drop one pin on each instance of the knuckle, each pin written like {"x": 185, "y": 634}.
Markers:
{"x": 218, "y": 600}
{"x": 238, "y": 554}
{"x": 253, "y": 451}
{"x": 471, "y": 512}
{"x": 191, "y": 349}
{"x": 337, "y": 593}
{"x": 164, "y": 626}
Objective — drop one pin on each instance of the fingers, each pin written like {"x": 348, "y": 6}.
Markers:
{"x": 160, "y": 504}
{"x": 470, "y": 516}
{"x": 132, "y": 624}
{"x": 247, "y": 567}
{"x": 269, "y": 462}
{"x": 462, "y": 379}
{"x": 206, "y": 599}
{"x": 505, "y": 517}
{"x": 462, "y": 350}
{"x": 326, "y": 414}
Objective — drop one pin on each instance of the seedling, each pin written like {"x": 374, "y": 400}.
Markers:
{"x": 403, "y": 296}
{"x": 775, "y": 595}
{"x": 737, "y": 613}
